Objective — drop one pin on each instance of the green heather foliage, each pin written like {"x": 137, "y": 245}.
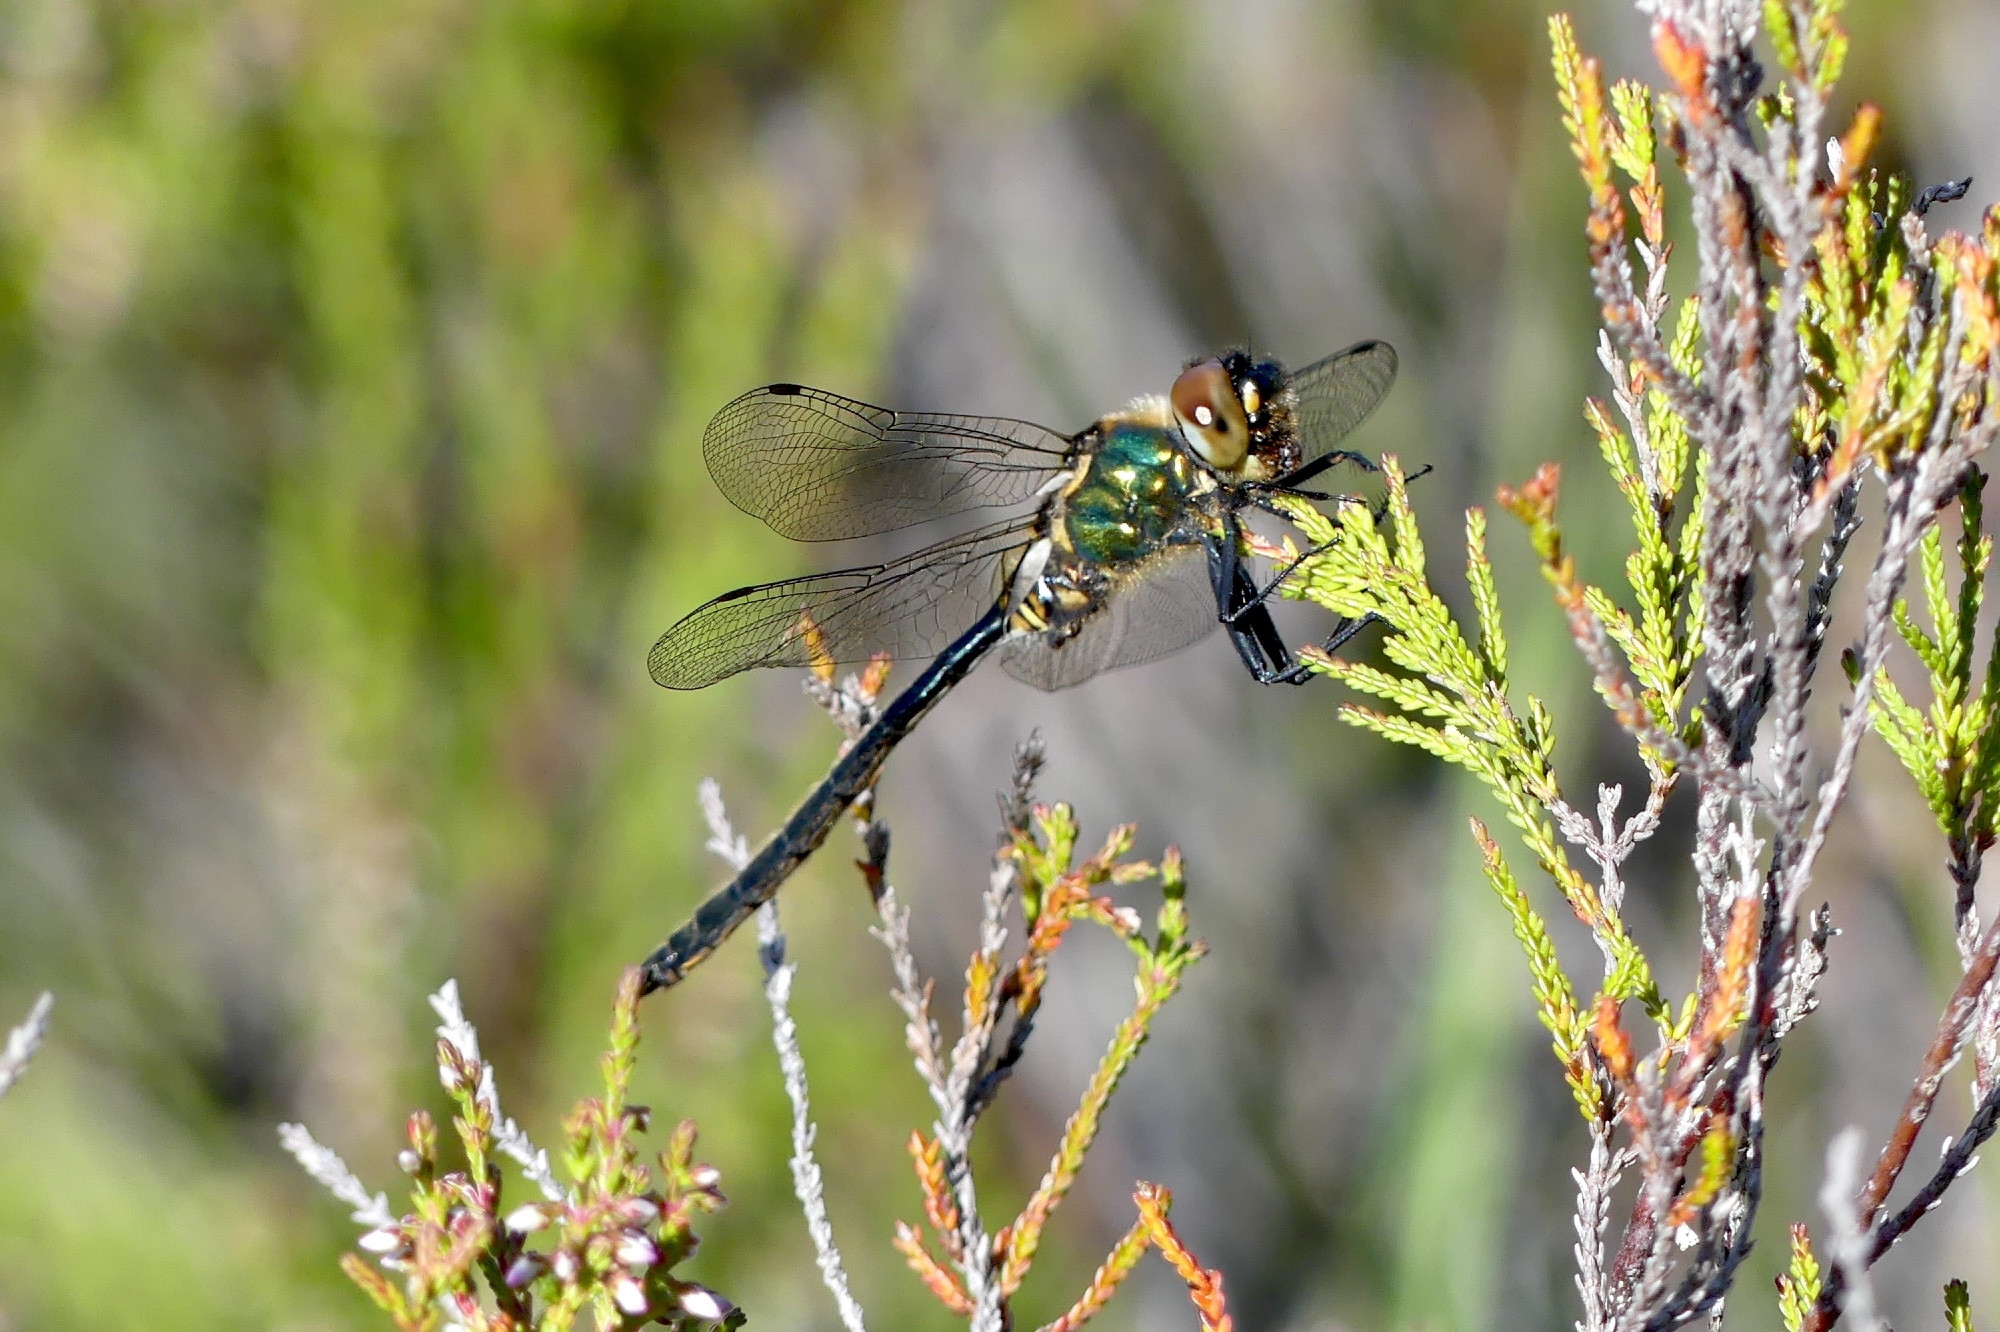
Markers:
{"x": 1957, "y": 1308}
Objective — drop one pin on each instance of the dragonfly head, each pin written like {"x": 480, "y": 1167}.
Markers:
{"x": 1234, "y": 412}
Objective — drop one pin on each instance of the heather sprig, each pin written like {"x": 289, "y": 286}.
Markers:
{"x": 1798, "y": 1287}
{"x": 1952, "y": 749}
{"x": 1832, "y": 352}
{"x": 605, "y": 1245}
{"x": 974, "y": 1274}
{"x": 1957, "y": 1307}
{"x": 1454, "y": 701}
{"x": 1040, "y": 870}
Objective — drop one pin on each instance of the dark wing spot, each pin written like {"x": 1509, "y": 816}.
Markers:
{"x": 784, "y": 390}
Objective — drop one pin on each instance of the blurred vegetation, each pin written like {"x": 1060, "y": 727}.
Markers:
{"x": 353, "y": 356}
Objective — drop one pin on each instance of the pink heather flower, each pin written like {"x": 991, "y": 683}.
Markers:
{"x": 705, "y": 1176}
{"x": 564, "y": 1264}
{"x": 525, "y": 1269}
{"x": 384, "y": 1239}
{"x": 638, "y": 1211}
{"x": 526, "y": 1219}
{"x": 628, "y": 1294}
{"x": 705, "y": 1304}
{"x": 636, "y": 1251}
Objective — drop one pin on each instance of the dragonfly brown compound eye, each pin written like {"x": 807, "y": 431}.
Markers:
{"x": 1210, "y": 417}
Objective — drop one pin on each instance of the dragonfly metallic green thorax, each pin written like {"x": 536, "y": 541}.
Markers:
{"x": 1135, "y": 494}
{"x": 1129, "y": 511}
{"x": 1126, "y": 545}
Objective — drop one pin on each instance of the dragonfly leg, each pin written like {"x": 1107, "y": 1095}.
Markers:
{"x": 1240, "y": 606}
{"x": 1245, "y": 614}
{"x": 1298, "y": 672}
{"x": 1278, "y": 579}
{"x": 1257, "y": 642}
{"x": 1326, "y": 460}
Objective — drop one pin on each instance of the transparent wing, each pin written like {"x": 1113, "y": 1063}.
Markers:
{"x": 1159, "y": 606}
{"x": 819, "y": 467}
{"x": 1337, "y": 394}
{"x": 912, "y": 607}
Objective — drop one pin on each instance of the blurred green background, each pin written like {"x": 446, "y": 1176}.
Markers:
{"x": 353, "y": 361}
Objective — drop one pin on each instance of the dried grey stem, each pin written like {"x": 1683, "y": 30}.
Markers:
{"x": 1914, "y": 498}
{"x": 1960, "y": 1155}
{"x": 912, "y": 994}
{"x": 24, "y": 1040}
{"x": 950, "y": 1086}
{"x": 960, "y": 1111}
{"x": 1847, "y": 1240}
{"x": 1986, "y": 1045}
{"x": 730, "y": 846}
{"x": 1017, "y": 804}
{"x": 961, "y": 1082}
{"x": 851, "y": 706}
{"x": 455, "y": 1031}
{"x": 1594, "y": 1184}
{"x": 808, "y": 1185}
{"x": 1797, "y": 994}
{"x": 324, "y": 1165}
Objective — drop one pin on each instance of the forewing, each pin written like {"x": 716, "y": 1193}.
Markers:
{"x": 1157, "y": 607}
{"x": 1337, "y": 394}
{"x": 909, "y": 608}
{"x": 820, "y": 467}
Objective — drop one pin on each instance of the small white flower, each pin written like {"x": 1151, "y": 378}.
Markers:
{"x": 705, "y": 1304}
{"x": 384, "y": 1239}
{"x": 526, "y": 1219}
{"x": 705, "y": 1176}
{"x": 638, "y": 1211}
{"x": 629, "y": 1294}
{"x": 1685, "y": 1236}
{"x": 635, "y": 1250}
{"x": 564, "y": 1266}
{"x": 408, "y": 1161}
{"x": 1128, "y": 919}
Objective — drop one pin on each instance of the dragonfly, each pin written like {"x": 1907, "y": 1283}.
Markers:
{"x": 1128, "y": 544}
